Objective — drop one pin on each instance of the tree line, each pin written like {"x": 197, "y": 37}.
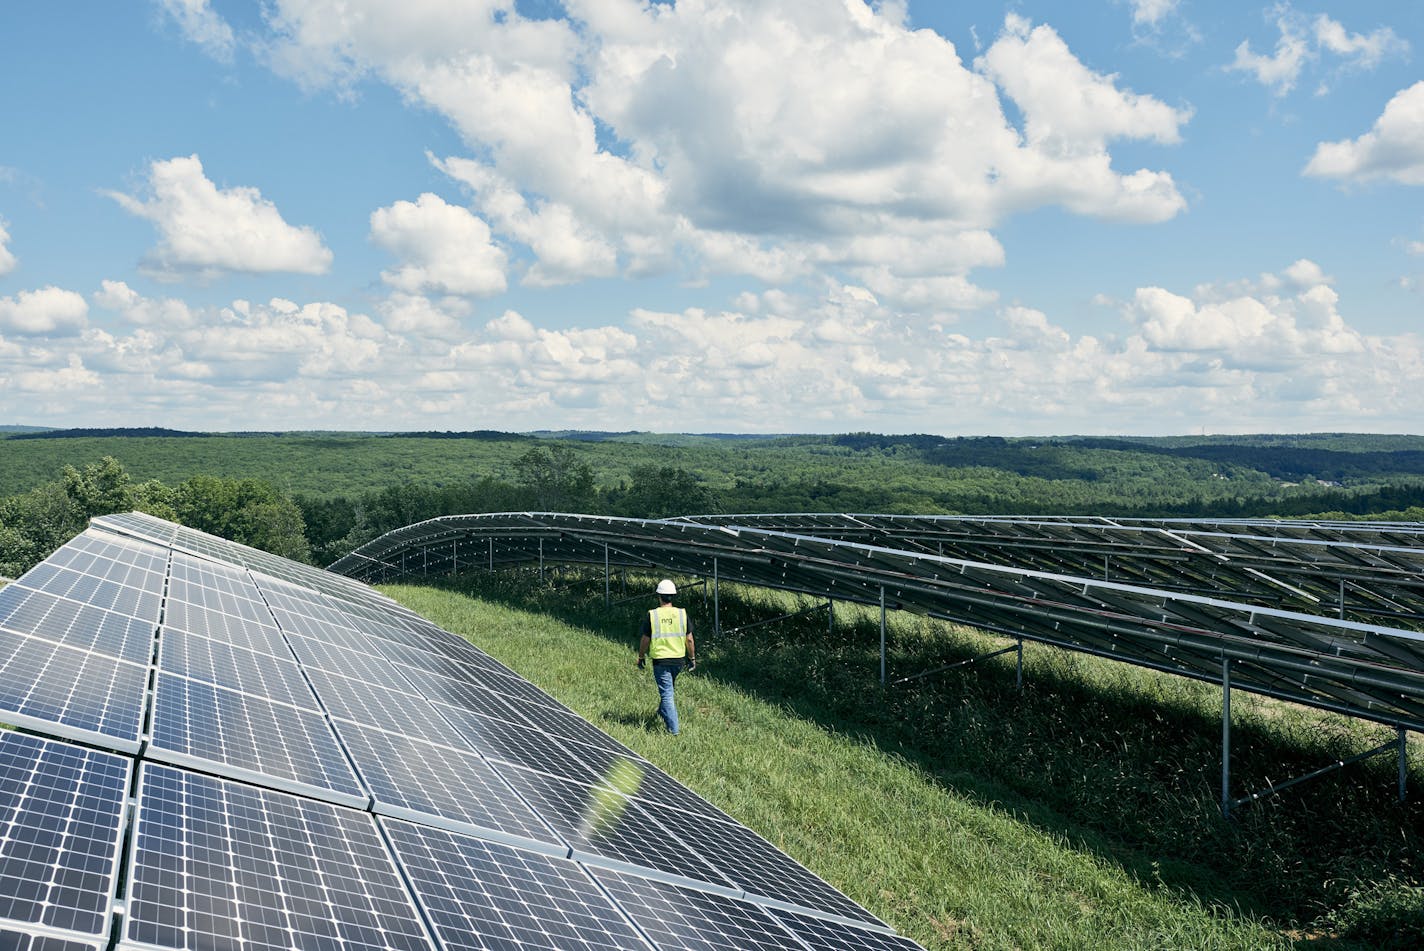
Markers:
{"x": 557, "y": 477}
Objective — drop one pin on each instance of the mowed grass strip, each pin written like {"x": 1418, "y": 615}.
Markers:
{"x": 942, "y": 866}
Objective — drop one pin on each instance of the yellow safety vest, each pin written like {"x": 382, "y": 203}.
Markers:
{"x": 668, "y": 627}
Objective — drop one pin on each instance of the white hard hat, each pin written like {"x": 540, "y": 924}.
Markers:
{"x": 666, "y": 587}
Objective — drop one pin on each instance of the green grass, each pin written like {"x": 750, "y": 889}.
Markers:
{"x": 1080, "y": 814}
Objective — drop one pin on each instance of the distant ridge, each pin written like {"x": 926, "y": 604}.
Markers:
{"x": 491, "y": 435}
{"x": 105, "y": 433}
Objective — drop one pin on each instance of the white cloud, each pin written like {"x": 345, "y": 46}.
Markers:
{"x": 205, "y": 230}
{"x": 168, "y": 313}
{"x": 202, "y": 24}
{"x": 1393, "y": 149}
{"x": 442, "y": 248}
{"x": 71, "y": 379}
{"x": 650, "y": 138}
{"x": 1302, "y": 41}
{"x": 8, "y": 261}
{"x": 47, "y": 312}
{"x": 1149, "y": 13}
{"x": 420, "y": 319}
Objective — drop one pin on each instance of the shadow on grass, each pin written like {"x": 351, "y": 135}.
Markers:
{"x": 1111, "y": 759}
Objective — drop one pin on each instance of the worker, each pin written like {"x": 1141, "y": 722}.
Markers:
{"x": 667, "y": 636}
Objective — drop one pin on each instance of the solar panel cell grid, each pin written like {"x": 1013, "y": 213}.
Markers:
{"x": 15, "y": 940}
{"x": 61, "y": 810}
{"x": 824, "y": 935}
{"x": 608, "y": 829}
{"x": 483, "y": 895}
{"x": 316, "y": 654}
{"x": 465, "y": 696}
{"x": 111, "y": 593}
{"x": 221, "y": 864}
{"x": 237, "y": 668}
{"x": 194, "y": 618}
{"x": 498, "y": 740}
{"x": 49, "y": 686}
{"x": 684, "y": 918}
{"x": 760, "y": 868}
{"x": 239, "y": 735}
{"x": 395, "y": 711}
{"x": 83, "y": 626}
{"x": 442, "y": 786}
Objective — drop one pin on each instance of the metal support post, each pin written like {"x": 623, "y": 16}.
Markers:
{"x": 1403, "y": 762}
{"x": 491, "y": 557}
{"x": 424, "y": 560}
{"x": 830, "y": 616}
{"x": 1226, "y": 737}
{"x": 882, "y": 635}
{"x": 454, "y": 557}
{"x": 1018, "y": 668}
{"x": 605, "y": 575}
{"x": 716, "y": 602}
{"x": 1342, "y": 598}
{"x": 541, "y": 561}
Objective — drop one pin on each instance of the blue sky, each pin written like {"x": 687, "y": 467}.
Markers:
{"x": 1132, "y": 216}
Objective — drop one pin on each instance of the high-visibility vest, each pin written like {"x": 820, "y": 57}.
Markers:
{"x": 668, "y": 627}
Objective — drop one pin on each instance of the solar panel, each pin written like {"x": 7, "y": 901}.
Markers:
{"x": 218, "y": 864}
{"x": 823, "y": 935}
{"x": 28, "y": 611}
{"x": 395, "y": 711}
{"x": 16, "y": 940}
{"x": 318, "y": 654}
{"x": 70, "y": 692}
{"x": 675, "y": 917}
{"x": 483, "y": 895}
{"x": 610, "y": 830}
{"x": 299, "y": 699}
{"x": 526, "y": 747}
{"x": 196, "y": 724}
{"x": 61, "y": 812}
{"x": 761, "y": 869}
{"x": 237, "y": 668}
{"x": 444, "y": 786}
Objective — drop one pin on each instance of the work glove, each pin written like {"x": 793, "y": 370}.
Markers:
{"x": 692, "y": 663}
{"x": 642, "y": 663}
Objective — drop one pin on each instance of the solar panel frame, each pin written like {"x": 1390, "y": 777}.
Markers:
{"x": 210, "y": 728}
{"x": 236, "y": 667}
{"x": 30, "y": 611}
{"x": 607, "y": 830}
{"x": 60, "y": 851}
{"x": 216, "y": 863}
{"x": 481, "y": 895}
{"x": 677, "y": 917}
{"x": 64, "y": 691}
{"x": 448, "y": 787}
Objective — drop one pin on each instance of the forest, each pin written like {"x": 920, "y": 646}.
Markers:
{"x": 316, "y": 496}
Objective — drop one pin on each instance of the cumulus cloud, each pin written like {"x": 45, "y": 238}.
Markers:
{"x": 641, "y": 139}
{"x": 1393, "y": 149}
{"x": 205, "y": 230}
{"x": 202, "y": 24}
{"x": 1303, "y": 41}
{"x": 442, "y": 247}
{"x": 47, "y": 312}
{"x": 1149, "y": 13}
{"x": 8, "y": 261}
{"x": 169, "y": 312}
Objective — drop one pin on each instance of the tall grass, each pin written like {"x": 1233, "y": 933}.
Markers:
{"x": 1079, "y": 813}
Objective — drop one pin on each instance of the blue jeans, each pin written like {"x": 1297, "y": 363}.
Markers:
{"x": 665, "y": 675}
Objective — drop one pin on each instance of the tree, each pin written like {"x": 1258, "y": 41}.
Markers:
{"x": 247, "y": 511}
{"x": 556, "y": 480}
{"x": 664, "y": 492}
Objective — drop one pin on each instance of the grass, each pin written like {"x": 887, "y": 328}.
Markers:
{"x": 1079, "y": 814}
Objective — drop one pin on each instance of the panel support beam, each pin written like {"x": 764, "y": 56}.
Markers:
{"x": 882, "y": 635}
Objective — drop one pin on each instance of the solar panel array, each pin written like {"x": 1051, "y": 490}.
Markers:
{"x": 225, "y": 749}
{"x": 1035, "y": 579}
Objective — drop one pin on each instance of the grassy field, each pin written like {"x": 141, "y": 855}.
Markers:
{"x": 1078, "y": 814}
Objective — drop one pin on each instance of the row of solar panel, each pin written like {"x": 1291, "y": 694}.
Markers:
{"x": 216, "y": 863}
{"x": 366, "y": 709}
